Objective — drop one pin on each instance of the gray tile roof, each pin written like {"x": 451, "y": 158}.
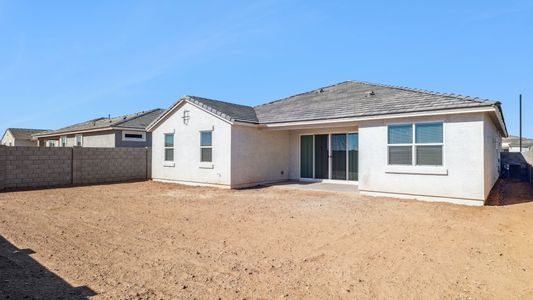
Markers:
{"x": 227, "y": 110}
{"x": 24, "y": 133}
{"x": 342, "y": 100}
{"x": 357, "y": 99}
{"x": 137, "y": 120}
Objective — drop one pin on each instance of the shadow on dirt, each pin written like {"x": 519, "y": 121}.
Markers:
{"x": 509, "y": 192}
{"x": 22, "y": 277}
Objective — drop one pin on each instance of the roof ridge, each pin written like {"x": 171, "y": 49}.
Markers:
{"x": 303, "y": 93}
{"x": 453, "y": 95}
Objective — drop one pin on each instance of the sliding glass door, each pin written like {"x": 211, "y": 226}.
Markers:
{"x": 330, "y": 156}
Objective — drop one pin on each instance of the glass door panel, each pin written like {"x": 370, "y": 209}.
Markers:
{"x": 306, "y": 156}
{"x": 353, "y": 156}
{"x": 338, "y": 156}
{"x": 321, "y": 156}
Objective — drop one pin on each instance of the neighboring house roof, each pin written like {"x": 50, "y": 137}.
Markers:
{"x": 23, "y": 133}
{"x": 137, "y": 120}
{"x": 514, "y": 141}
{"x": 343, "y": 100}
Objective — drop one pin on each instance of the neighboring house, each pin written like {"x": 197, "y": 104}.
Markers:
{"x": 390, "y": 141}
{"x": 512, "y": 144}
{"x": 123, "y": 131}
{"x": 19, "y": 137}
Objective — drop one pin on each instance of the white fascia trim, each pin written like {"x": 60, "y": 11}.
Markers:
{"x": 164, "y": 115}
{"x": 246, "y": 124}
{"x": 461, "y": 201}
{"x": 382, "y": 117}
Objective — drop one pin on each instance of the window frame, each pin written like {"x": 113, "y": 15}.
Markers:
{"x": 130, "y": 139}
{"x": 206, "y": 147}
{"x": 61, "y": 139}
{"x": 414, "y": 144}
{"x": 76, "y": 140}
{"x": 165, "y": 148}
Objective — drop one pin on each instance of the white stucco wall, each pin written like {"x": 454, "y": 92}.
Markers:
{"x": 8, "y": 139}
{"x": 294, "y": 160}
{"x": 101, "y": 139}
{"x": 492, "y": 149}
{"x": 258, "y": 156}
{"x": 187, "y": 166}
{"x": 463, "y": 181}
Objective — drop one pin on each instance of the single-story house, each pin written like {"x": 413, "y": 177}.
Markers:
{"x": 123, "y": 131}
{"x": 512, "y": 144}
{"x": 386, "y": 140}
{"x": 20, "y": 137}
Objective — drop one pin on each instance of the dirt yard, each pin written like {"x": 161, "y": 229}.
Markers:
{"x": 154, "y": 240}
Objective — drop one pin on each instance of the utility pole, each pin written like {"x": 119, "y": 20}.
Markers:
{"x": 520, "y": 123}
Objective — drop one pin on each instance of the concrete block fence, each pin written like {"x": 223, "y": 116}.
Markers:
{"x": 34, "y": 167}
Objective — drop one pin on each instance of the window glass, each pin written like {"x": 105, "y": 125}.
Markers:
{"x": 400, "y": 134}
{"x": 133, "y": 136}
{"x": 206, "y": 155}
{"x": 400, "y": 155}
{"x": 169, "y": 154}
{"x": 169, "y": 140}
{"x": 428, "y": 133}
{"x": 206, "y": 138}
{"x": 429, "y": 155}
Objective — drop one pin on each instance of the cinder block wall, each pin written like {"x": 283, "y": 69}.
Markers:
{"x": 30, "y": 167}
{"x": 34, "y": 167}
{"x": 99, "y": 165}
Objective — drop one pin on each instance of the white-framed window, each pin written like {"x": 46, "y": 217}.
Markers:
{"x": 419, "y": 144}
{"x": 63, "y": 141}
{"x": 133, "y": 136}
{"x": 169, "y": 147}
{"x": 51, "y": 143}
{"x": 206, "y": 146}
{"x": 79, "y": 140}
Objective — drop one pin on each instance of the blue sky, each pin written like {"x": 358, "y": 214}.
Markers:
{"x": 63, "y": 62}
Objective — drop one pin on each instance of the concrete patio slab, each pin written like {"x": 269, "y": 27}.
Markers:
{"x": 318, "y": 186}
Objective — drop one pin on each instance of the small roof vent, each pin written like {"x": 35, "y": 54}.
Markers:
{"x": 370, "y": 93}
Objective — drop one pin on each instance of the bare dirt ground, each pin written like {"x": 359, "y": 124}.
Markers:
{"x": 154, "y": 240}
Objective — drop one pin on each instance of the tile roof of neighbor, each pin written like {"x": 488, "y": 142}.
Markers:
{"x": 341, "y": 100}
{"x": 24, "y": 133}
{"x": 514, "y": 141}
{"x": 139, "y": 120}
